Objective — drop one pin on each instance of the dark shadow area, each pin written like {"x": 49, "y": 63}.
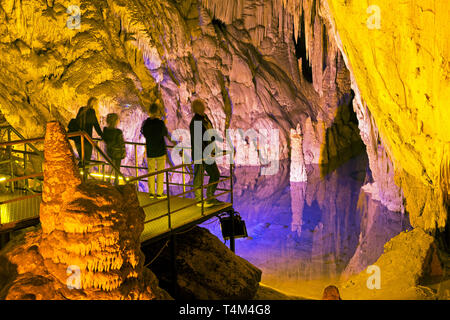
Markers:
{"x": 8, "y": 273}
{"x": 158, "y": 260}
{"x": 342, "y": 139}
{"x": 300, "y": 52}
{"x": 219, "y": 24}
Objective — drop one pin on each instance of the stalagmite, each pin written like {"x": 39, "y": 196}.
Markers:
{"x": 105, "y": 245}
{"x": 298, "y": 197}
{"x": 298, "y": 167}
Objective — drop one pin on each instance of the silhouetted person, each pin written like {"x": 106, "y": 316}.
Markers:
{"x": 154, "y": 130}
{"x": 115, "y": 144}
{"x": 87, "y": 120}
{"x": 331, "y": 293}
{"x": 198, "y": 146}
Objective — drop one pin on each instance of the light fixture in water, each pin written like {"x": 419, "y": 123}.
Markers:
{"x": 237, "y": 229}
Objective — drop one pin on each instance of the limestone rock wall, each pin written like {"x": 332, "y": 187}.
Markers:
{"x": 295, "y": 37}
{"x": 129, "y": 54}
{"x": 398, "y": 54}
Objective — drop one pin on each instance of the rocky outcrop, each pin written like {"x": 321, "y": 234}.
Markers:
{"x": 298, "y": 167}
{"x": 206, "y": 268}
{"x": 378, "y": 226}
{"x": 408, "y": 260}
{"x": 401, "y": 71}
{"x": 382, "y": 185}
{"x": 89, "y": 244}
{"x": 268, "y": 293}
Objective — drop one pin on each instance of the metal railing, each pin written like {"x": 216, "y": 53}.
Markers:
{"x": 178, "y": 169}
{"x": 136, "y": 167}
{"x": 102, "y": 160}
{"x": 202, "y": 187}
{"x": 19, "y": 159}
{"x": 9, "y": 179}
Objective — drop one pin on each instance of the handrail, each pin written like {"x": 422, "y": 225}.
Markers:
{"x": 69, "y": 135}
{"x": 25, "y": 141}
{"x": 17, "y": 133}
{"x": 174, "y": 169}
{"x": 95, "y": 145}
{"x": 109, "y": 162}
{"x": 40, "y": 174}
{"x": 148, "y": 175}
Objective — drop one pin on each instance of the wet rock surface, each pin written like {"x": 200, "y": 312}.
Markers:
{"x": 408, "y": 261}
{"x": 206, "y": 268}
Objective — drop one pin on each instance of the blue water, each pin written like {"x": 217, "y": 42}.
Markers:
{"x": 305, "y": 236}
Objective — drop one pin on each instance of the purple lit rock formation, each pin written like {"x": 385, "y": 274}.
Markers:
{"x": 298, "y": 167}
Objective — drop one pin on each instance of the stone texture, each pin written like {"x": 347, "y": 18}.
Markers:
{"x": 129, "y": 54}
{"x": 378, "y": 226}
{"x": 401, "y": 70}
{"x": 90, "y": 238}
{"x": 207, "y": 269}
{"x": 408, "y": 260}
{"x": 298, "y": 167}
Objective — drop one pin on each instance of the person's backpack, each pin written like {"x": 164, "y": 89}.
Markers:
{"x": 114, "y": 144}
{"x": 73, "y": 125}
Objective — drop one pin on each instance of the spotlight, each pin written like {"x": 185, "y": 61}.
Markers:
{"x": 240, "y": 230}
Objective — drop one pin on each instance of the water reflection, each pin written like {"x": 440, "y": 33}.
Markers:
{"x": 304, "y": 236}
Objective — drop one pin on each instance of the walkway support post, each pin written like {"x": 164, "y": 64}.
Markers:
{"x": 83, "y": 163}
{"x": 232, "y": 244}
{"x": 168, "y": 200}
{"x": 182, "y": 170}
{"x": 173, "y": 258}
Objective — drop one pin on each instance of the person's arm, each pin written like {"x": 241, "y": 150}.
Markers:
{"x": 121, "y": 144}
{"x": 216, "y": 139}
{"x": 96, "y": 124}
{"x": 166, "y": 134}
{"x": 142, "y": 127}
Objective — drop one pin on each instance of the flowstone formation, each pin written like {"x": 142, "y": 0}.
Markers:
{"x": 89, "y": 246}
{"x": 398, "y": 56}
{"x": 55, "y": 55}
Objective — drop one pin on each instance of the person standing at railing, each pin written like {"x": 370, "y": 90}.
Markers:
{"x": 115, "y": 144}
{"x": 154, "y": 130}
{"x": 200, "y": 123}
{"x": 86, "y": 120}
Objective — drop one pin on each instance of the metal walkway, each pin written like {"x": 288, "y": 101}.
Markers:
{"x": 187, "y": 214}
{"x": 20, "y": 189}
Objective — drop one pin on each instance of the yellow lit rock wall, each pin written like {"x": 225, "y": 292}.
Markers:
{"x": 398, "y": 54}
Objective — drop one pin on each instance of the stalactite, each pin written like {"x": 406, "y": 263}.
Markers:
{"x": 264, "y": 12}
